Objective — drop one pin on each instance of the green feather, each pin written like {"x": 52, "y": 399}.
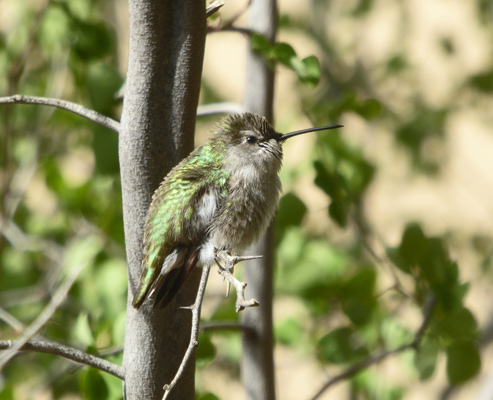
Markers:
{"x": 172, "y": 207}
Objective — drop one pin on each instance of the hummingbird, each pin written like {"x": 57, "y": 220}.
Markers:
{"x": 221, "y": 198}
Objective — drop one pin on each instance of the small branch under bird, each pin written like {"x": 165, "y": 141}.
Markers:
{"x": 218, "y": 200}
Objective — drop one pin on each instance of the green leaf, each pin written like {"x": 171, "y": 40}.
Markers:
{"x": 483, "y": 82}
{"x": 341, "y": 347}
{"x": 330, "y": 183}
{"x": 259, "y": 43}
{"x": 307, "y": 69}
{"x": 427, "y": 123}
{"x": 283, "y": 53}
{"x": 425, "y": 358}
{"x": 463, "y": 361}
{"x": 435, "y": 264}
{"x": 358, "y": 302}
{"x": 93, "y": 386}
{"x": 414, "y": 245}
{"x": 291, "y": 212}
{"x": 369, "y": 385}
{"x": 339, "y": 213}
{"x": 394, "y": 256}
{"x": 459, "y": 324}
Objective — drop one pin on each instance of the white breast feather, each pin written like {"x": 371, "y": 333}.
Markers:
{"x": 207, "y": 206}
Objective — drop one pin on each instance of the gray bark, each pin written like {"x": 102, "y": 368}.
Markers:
{"x": 257, "y": 365}
{"x": 165, "y": 63}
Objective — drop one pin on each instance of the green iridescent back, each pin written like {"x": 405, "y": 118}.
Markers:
{"x": 170, "y": 220}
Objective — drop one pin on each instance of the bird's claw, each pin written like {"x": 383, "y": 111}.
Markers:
{"x": 226, "y": 263}
{"x": 230, "y": 260}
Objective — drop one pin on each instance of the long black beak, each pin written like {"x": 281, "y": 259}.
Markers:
{"x": 296, "y": 133}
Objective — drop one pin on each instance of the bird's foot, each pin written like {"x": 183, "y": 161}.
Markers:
{"x": 225, "y": 260}
{"x": 226, "y": 263}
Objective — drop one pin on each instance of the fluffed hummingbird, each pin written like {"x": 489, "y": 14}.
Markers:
{"x": 222, "y": 197}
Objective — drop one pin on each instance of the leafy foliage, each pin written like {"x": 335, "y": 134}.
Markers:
{"x": 61, "y": 197}
{"x": 61, "y": 203}
{"x": 307, "y": 69}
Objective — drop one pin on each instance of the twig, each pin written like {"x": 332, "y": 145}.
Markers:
{"x": 24, "y": 242}
{"x": 43, "y": 318}
{"x": 92, "y": 115}
{"x": 225, "y": 270}
{"x": 241, "y": 303}
{"x": 220, "y": 108}
{"x": 229, "y": 25}
{"x": 354, "y": 369}
{"x": 10, "y": 320}
{"x": 66, "y": 352}
{"x": 233, "y": 326}
{"x": 194, "y": 334}
{"x": 213, "y": 7}
{"x": 364, "y": 234}
{"x": 239, "y": 29}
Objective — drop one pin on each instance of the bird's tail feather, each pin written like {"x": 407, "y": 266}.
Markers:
{"x": 172, "y": 284}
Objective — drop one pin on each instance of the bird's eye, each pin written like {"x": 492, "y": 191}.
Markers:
{"x": 251, "y": 139}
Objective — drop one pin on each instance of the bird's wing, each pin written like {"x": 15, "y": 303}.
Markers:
{"x": 173, "y": 229}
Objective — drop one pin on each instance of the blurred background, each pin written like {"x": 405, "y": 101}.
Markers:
{"x": 405, "y": 188}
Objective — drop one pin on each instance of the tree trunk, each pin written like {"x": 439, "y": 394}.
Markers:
{"x": 257, "y": 365}
{"x": 163, "y": 81}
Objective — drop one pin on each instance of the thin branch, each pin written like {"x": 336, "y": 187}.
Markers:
{"x": 233, "y": 327}
{"x": 92, "y": 115}
{"x": 70, "y": 353}
{"x": 194, "y": 334}
{"x": 43, "y": 318}
{"x": 230, "y": 24}
{"x": 365, "y": 234}
{"x": 24, "y": 242}
{"x": 358, "y": 367}
{"x": 239, "y": 29}
{"x": 220, "y": 108}
{"x": 10, "y": 320}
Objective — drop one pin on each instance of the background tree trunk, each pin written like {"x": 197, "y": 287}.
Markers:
{"x": 257, "y": 366}
{"x": 165, "y": 63}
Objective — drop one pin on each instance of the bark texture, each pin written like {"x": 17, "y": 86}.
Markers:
{"x": 163, "y": 81}
{"x": 257, "y": 366}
